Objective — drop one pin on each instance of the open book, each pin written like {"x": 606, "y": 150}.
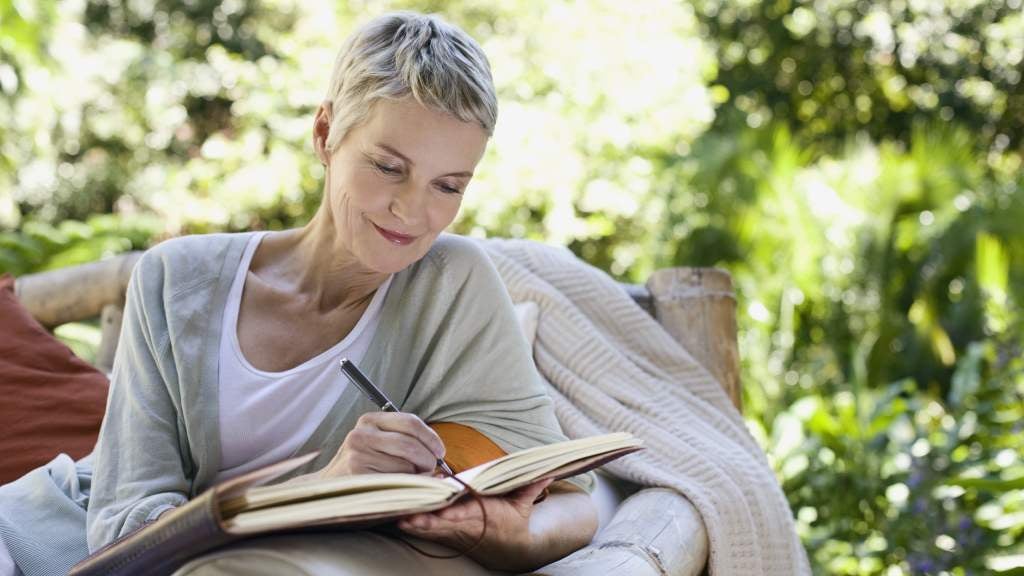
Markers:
{"x": 364, "y": 497}
{"x": 243, "y": 507}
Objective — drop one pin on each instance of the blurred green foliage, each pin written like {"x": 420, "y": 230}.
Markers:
{"x": 855, "y": 164}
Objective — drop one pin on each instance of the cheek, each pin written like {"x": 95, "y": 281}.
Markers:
{"x": 361, "y": 192}
{"x": 443, "y": 212}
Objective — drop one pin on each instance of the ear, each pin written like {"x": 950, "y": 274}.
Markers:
{"x": 321, "y": 130}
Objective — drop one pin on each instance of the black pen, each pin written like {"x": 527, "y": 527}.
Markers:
{"x": 354, "y": 374}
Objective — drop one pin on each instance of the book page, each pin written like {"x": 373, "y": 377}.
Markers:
{"x": 345, "y": 506}
{"x": 521, "y": 467}
{"x": 264, "y": 496}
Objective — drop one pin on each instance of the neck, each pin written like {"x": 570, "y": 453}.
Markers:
{"x": 313, "y": 264}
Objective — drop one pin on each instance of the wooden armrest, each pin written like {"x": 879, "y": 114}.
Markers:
{"x": 76, "y": 292}
{"x": 697, "y": 307}
{"x": 656, "y": 532}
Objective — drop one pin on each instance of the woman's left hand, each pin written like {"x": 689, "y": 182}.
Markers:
{"x": 508, "y": 540}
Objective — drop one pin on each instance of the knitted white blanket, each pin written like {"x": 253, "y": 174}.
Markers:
{"x": 612, "y": 367}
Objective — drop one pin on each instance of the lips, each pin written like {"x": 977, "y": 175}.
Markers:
{"x": 394, "y": 237}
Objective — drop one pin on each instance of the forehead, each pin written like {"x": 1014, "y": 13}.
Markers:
{"x": 430, "y": 138}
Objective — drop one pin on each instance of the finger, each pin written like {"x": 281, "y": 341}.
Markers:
{"x": 368, "y": 438}
{"x": 372, "y": 461}
{"x": 471, "y": 509}
{"x": 434, "y": 519}
{"x": 460, "y": 512}
{"x": 415, "y": 522}
{"x": 431, "y": 527}
{"x": 425, "y": 525}
{"x": 411, "y": 425}
{"x": 402, "y": 446}
{"x": 426, "y": 532}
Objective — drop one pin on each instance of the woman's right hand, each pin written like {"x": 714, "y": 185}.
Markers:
{"x": 386, "y": 442}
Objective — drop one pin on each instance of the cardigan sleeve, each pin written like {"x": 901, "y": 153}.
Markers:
{"x": 139, "y": 469}
{"x": 481, "y": 372}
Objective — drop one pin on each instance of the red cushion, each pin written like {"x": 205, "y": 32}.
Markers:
{"x": 50, "y": 400}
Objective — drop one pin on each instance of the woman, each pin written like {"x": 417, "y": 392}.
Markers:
{"x": 228, "y": 354}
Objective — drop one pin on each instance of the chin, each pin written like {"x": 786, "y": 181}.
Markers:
{"x": 390, "y": 259}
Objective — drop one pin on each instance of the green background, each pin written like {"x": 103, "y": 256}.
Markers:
{"x": 856, "y": 166}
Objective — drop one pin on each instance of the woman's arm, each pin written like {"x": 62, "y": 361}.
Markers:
{"x": 562, "y": 523}
{"x": 521, "y": 535}
{"x": 138, "y": 464}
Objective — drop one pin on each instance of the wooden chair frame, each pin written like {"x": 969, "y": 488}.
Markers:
{"x": 655, "y": 531}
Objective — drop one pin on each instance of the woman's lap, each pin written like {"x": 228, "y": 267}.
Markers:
{"x": 330, "y": 554}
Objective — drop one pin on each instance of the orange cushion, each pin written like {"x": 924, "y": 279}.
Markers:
{"x": 53, "y": 401}
{"x": 464, "y": 446}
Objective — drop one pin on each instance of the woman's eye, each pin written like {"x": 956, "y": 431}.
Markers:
{"x": 448, "y": 189}
{"x": 389, "y": 170}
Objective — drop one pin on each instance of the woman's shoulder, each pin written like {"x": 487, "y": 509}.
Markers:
{"x": 454, "y": 265}
{"x": 452, "y": 253}
{"x": 185, "y": 261}
{"x": 459, "y": 269}
{"x": 196, "y": 247}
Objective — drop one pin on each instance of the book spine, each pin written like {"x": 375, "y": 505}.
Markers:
{"x": 162, "y": 547}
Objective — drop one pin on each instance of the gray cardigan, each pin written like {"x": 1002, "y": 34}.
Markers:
{"x": 448, "y": 348}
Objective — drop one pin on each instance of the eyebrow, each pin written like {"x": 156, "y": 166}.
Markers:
{"x": 391, "y": 150}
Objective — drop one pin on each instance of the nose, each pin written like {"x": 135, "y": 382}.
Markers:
{"x": 409, "y": 204}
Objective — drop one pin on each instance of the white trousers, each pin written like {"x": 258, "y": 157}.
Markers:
{"x": 327, "y": 554}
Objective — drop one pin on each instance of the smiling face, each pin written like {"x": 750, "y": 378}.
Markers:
{"x": 395, "y": 181}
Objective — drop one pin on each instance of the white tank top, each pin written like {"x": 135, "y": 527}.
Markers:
{"x": 266, "y": 416}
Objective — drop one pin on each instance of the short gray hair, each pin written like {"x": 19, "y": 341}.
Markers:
{"x": 406, "y": 53}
